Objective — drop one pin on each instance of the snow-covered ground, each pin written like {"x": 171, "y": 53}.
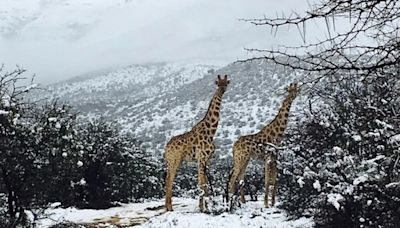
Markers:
{"x": 185, "y": 214}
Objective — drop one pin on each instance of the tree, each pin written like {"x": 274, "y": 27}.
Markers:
{"x": 57, "y": 141}
{"x": 47, "y": 155}
{"x": 17, "y": 158}
{"x": 115, "y": 168}
{"x": 344, "y": 157}
{"x": 369, "y": 47}
{"x": 344, "y": 150}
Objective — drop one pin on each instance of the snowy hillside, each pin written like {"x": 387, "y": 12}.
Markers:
{"x": 157, "y": 101}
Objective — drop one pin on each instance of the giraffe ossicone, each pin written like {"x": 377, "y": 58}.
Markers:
{"x": 196, "y": 145}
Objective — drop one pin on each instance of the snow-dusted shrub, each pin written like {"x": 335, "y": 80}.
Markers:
{"x": 186, "y": 181}
{"x": 56, "y": 140}
{"x": 18, "y": 167}
{"x": 254, "y": 180}
{"x": 343, "y": 163}
{"x": 47, "y": 155}
{"x": 114, "y": 167}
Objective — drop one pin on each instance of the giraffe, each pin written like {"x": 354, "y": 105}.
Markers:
{"x": 254, "y": 147}
{"x": 195, "y": 145}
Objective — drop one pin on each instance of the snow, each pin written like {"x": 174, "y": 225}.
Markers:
{"x": 2, "y": 112}
{"x": 383, "y": 124}
{"x": 395, "y": 139}
{"x": 15, "y": 120}
{"x": 56, "y": 204}
{"x": 380, "y": 147}
{"x": 5, "y": 100}
{"x": 356, "y": 138}
{"x": 317, "y": 185}
{"x": 82, "y": 181}
{"x": 374, "y": 135}
{"x": 186, "y": 214}
{"x": 52, "y": 119}
{"x": 300, "y": 182}
{"x": 360, "y": 179}
{"x": 334, "y": 199}
{"x": 349, "y": 190}
{"x": 393, "y": 184}
{"x": 337, "y": 150}
{"x": 79, "y": 163}
{"x": 87, "y": 216}
{"x": 252, "y": 214}
{"x": 30, "y": 87}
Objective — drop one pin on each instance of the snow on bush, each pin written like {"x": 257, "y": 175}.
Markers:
{"x": 334, "y": 199}
{"x": 345, "y": 165}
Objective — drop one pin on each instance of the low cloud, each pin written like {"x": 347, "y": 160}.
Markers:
{"x": 64, "y": 38}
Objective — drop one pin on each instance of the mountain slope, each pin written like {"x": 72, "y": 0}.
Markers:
{"x": 157, "y": 101}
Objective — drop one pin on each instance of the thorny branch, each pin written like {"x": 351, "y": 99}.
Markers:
{"x": 371, "y": 45}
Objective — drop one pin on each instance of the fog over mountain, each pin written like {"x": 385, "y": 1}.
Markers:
{"x": 59, "y": 39}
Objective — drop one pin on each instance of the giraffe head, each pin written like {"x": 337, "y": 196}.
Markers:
{"x": 222, "y": 83}
{"x": 293, "y": 89}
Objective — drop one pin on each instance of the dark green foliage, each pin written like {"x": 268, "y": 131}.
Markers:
{"x": 55, "y": 134}
{"x": 115, "y": 168}
{"x": 186, "y": 181}
{"x": 343, "y": 164}
{"x": 47, "y": 155}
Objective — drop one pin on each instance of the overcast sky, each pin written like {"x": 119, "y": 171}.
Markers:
{"x": 58, "y": 39}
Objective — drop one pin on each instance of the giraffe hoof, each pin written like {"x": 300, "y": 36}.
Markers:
{"x": 205, "y": 211}
{"x": 169, "y": 208}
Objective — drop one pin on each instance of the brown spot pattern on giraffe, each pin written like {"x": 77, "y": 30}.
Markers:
{"x": 196, "y": 144}
{"x": 243, "y": 150}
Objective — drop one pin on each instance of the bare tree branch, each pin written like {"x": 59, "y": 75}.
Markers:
{"x": 376, "y": 21}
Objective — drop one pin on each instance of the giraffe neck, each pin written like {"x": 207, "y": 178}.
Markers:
{"x": 273, "y": 132}
{"x": 208, "y": 125}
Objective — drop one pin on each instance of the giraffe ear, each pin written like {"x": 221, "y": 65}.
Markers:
{"x": 227, "y": 82}
{"x": 216, "y": 82}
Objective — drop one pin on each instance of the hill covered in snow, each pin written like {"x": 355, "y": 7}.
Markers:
{"x": 158, "y": 101}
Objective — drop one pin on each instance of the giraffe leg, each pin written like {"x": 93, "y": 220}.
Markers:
{"x": 172, "y": 168}
{"x": 241, "y": 179}
{"x": 275, "y": 188}
{"x": 239, "y": 171}
{"x": 267, "y": 181}
{"x": 232, "y": 181}
{"x": 203, "y": 186}
{"x": 274, "y": 173}
{"x": 242, "y": 198}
